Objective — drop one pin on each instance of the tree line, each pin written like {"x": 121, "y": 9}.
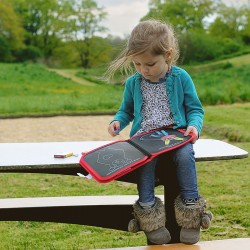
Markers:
{"x": 64, "y": 33}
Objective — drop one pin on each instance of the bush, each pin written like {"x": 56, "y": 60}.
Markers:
{"x": 29, "y": 53}
{"x": 225, "y": 85}
{"x": 201, "y": 47}
{"x": 230, "y": 46}
{"x": 5, "y": 53}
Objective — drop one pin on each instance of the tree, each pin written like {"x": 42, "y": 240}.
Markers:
{"x": 43, "y": 20}
{"x": 188, "y": 18}
{"x": 230, "y": 21}
{"x": 11, "y": 31}
{"x": 183, "y": 14}
{"x": 246, "y": 30}
{"x": 49, "y": 24}
{"x": 85, "y": 21}
{"x": 101, "y": 51}
{"x": 202, "y": 38}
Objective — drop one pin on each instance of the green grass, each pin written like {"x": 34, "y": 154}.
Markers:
{"x": 222, "y": 82}
{"x": 30, "y": 89}
{"x": 223, "y": 86}
{"x": 228, "y": 122}
{"x": 225, "y": 184}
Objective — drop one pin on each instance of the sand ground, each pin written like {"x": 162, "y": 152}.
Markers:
{"x": 58, "y": 128}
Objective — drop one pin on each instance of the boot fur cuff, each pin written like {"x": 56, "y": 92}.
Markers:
{"x": 193, "y": 216}
{"x": 133, "y": 226}
{"x": 150, "y": 219}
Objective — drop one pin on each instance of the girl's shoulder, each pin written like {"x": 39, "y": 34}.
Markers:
{"x": 177, "y": 71}
{"x": 136, "y": 77}
{"x": 180, "y": 75}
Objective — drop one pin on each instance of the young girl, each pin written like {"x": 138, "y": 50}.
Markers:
{"x": 160, "y": 94}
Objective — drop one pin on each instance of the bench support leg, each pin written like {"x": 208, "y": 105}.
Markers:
{"x": 170, "y": 193}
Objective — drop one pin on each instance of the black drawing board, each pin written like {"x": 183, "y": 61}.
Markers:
{"x": 115, "y": 159}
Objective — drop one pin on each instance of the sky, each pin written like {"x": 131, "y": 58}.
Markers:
{"x": 123, "y": 15}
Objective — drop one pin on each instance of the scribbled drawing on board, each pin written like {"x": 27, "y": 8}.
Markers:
{"x": 113, "y": 158}
{"x": 161, "y": 135}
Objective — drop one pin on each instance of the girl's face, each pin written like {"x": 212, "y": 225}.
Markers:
{"x": 151, "y": 67}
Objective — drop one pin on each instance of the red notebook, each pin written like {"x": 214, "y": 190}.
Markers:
{"x": 113, "y": 160}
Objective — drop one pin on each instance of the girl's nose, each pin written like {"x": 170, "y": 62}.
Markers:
{"x": 144, "y": 69}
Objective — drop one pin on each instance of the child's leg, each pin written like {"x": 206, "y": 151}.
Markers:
{"x": 189, "y": 206}
{"x": 186, "y": 172}
{"x": 146, "y": 184}
{"x": 149, "y": 211}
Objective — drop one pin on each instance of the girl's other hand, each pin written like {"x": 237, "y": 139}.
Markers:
{"x": 114, "y": 128}
{"x": 192, "y": 129}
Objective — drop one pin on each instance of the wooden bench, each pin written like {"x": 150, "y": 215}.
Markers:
{"x": 39, "y": 158}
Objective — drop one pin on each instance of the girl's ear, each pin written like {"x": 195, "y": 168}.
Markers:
{"x": 168, "y": 55}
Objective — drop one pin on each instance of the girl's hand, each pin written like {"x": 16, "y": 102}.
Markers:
{"x": 114, "y": 128}
{"x": 192, "y": 129}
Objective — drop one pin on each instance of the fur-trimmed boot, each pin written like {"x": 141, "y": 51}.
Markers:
{"x": 151, "y": 221}
{"x": 191, "y": 218}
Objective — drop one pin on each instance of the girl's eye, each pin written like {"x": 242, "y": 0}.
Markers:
{"x": 151, "y": 64}
{"x": 148, "y": 64}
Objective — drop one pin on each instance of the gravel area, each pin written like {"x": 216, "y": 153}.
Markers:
{"x": 58, "y": 128}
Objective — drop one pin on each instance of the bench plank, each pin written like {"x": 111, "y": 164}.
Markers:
{"x": 41, "y": 155}
{"x": 96, "y": 200}
{"x": 112, "y": 211}
{"x": 212, "y": 150}
{"x": 229, "y": 244}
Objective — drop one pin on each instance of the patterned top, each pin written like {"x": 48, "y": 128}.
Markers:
{"x": 156, "y": 110}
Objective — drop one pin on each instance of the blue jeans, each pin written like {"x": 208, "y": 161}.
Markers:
{"x": 184, "y": 160}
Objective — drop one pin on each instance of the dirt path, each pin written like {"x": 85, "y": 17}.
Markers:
{"x": 59, "y": 128}
{"x": 70, "y": 73}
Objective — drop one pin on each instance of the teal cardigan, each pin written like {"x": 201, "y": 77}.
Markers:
{"x": 184, "y": 102}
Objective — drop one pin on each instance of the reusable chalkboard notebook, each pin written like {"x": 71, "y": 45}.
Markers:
{"x": 113, "y": 160}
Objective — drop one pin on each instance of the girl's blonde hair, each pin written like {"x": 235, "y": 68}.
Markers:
{"x": 152, "y": 36}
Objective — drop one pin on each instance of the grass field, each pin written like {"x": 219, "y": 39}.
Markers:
{"x": 28, "y": 89}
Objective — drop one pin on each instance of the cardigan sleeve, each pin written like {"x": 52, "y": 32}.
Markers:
{"x": 125, "y": 113}
{"x": 193, "y": 107}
